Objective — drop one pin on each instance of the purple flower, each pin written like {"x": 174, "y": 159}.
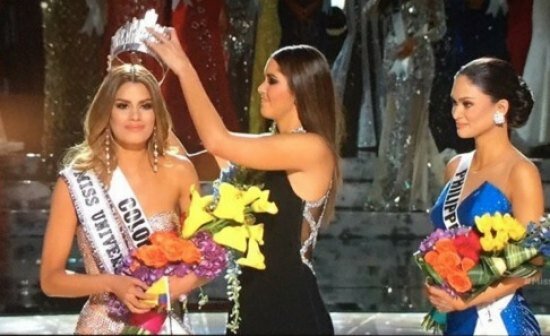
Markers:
{"x": 428, "y": 243}
{"x": 214, "y": 256}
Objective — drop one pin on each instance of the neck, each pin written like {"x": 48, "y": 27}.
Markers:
{"x": 130, "y": 160}
{"x": 490, "y": 150}
{"x": 290, "y": 127}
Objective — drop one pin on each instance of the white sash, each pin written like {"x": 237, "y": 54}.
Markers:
{"x": 456, "y": 184}
{"x": 129, "y": 209}
{"x": 114, "y": 222}
{"x": 489, "y": 317}
{"x": 97, "y": 218}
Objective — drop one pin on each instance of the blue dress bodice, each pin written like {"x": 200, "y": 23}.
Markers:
{"x": 485, "y": 199}
{"x": 517, "y": 317}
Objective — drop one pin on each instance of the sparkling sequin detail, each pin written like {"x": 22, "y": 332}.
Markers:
{"x": 314, "y": 226}
{"x": 409, "y": 170}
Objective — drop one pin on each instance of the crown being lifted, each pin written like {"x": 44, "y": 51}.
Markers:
{"x": 130, "y": 38}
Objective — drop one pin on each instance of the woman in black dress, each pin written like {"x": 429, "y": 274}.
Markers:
{"x": 301, "y": 161}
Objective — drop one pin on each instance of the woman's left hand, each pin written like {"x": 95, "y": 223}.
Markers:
{"x": 443, "y": 301}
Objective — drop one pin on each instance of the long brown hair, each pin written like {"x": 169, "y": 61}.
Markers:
{"x": 309, "y": 78}
{"x": 91, "y": 153}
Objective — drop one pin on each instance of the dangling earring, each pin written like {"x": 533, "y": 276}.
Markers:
{"x": 155, "y": 150}
{"x": 108, "y": 151}
{"x": 498, "y": 118}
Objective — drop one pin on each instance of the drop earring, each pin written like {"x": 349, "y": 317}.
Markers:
{"x": 155, "y": 151}
{"x": 498, "y": 118}
{"x": 108, "y": 151}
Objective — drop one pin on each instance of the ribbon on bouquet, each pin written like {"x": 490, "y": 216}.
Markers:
{"x": 153, "y": 320}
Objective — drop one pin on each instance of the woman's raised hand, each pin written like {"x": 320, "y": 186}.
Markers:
{"x": 169, "y": 50}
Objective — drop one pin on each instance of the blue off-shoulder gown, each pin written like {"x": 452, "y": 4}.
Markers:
{"x": 510, "y": 315}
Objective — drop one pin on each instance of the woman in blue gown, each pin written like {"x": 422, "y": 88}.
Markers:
{"x": 488, "y": 100}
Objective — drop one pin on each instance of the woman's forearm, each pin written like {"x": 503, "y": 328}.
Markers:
{"x": 72, "y": 285}
{"x": 493, "y": 293}
{"x": 183, "y": 285}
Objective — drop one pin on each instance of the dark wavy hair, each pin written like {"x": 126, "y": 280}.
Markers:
{"x": 498, "y": 79}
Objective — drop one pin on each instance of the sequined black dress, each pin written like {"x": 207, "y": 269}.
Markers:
{"x": 284, "y": 298}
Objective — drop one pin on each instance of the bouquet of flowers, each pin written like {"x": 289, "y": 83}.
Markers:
{"x": 464, "y": 261}
{"x": 166, "y": 254}
{"x": 228, "y": 216}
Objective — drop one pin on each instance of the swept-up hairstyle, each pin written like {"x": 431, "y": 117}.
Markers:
{"x": 499, "y": 80}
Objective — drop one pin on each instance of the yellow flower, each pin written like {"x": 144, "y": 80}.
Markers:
{"x": 251, "y": 194}
{"x": 254, "y": 257}
{"x": 198, "y": 216}
{"x": 487, "y": 242}
{"x": 256, "y": 232}
{"x": 230, "y": 204}
{"x": 516, "y": 231}
{"x": 483, "y": 223}
{"x": 501, "y": 240}
{"x": 263, "y": 205}
{"x": 498, "y": 223}
{"x": 233, "y": 237}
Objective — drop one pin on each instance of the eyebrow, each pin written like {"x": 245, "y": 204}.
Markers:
{"x": 127, "y": 101}
{"x": 462, "y": 98}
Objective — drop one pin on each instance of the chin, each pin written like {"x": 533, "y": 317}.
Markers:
{"x": 463, "y": 134}
{"x": 265, "y": 114}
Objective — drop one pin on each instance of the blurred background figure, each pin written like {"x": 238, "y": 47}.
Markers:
{"x": 536, "y": 133}
{"x": 409, "y": 168}
{"x": 201, "y": 27}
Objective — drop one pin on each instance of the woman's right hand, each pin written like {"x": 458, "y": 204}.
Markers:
{"x": 169, "y": 50}
{"x": 131, "y": 292}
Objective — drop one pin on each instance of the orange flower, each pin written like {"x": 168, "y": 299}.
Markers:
{"x": 445, "y": 244}
{"x": 431, "y": 258}
{"x": 152, "y": 256}
{"x": 180, "y": 250}
{"x": 160, "y": 237}
{"x": 190, "y": 253}
{"x": 467, "y": 264}
{"x": 443, "y": 271}
{"x": 449, "y": 259}
{"x": 459, "y": 281}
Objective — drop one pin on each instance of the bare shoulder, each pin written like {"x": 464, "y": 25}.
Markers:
{"x": 524, "y": 171}
{"x": 178, "y": 167}
{"x": 317, "y": 142}
{"x": 61, "y": 190}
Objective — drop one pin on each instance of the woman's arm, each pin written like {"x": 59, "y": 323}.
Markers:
{"x": 444, "y": 302}
{"x": 58, "y": 239}
{"x": 297, "y": 152}
{"x": 526, "y": 192}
